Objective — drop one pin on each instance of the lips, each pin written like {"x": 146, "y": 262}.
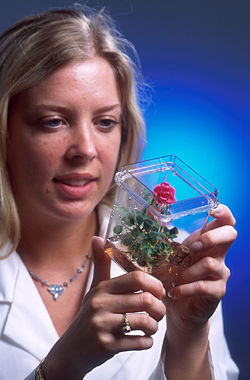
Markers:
{"x": 75, "y": 185}
{"x": 72, "y": 182}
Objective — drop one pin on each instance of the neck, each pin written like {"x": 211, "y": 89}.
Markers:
{"x": 51, "y": 244}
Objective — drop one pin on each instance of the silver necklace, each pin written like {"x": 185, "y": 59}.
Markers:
{"x": 56, "y": 289}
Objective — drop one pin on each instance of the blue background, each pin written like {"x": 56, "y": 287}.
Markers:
{"x": 195, "y": 56}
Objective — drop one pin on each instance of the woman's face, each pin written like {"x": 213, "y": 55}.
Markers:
{"x": 64, "y": 140}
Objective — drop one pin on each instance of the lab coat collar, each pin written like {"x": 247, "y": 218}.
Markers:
{"x": 28, "y": 324}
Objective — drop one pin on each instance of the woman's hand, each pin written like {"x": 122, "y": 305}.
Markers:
{"x": 96, "y": 333}
{"x": 194, "y": 298}
{"x": 196, "y": 294}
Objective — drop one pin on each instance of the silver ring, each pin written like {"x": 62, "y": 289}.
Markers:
{"x": 126, "y": 328}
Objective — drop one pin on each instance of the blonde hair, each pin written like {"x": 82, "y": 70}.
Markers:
{"x": 32, "y": 49}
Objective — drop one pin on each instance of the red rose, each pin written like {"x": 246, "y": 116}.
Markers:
{"x": 165, "y": 192}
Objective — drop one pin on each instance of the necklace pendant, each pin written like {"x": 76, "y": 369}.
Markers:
{"x": 55, "y": 290}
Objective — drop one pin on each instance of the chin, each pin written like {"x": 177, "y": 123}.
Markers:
{"x": 75, "y": 212}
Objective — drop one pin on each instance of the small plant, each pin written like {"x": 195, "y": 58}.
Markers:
{"x": 146, "y": 239}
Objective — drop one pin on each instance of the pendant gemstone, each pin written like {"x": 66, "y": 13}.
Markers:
{"x": 55, "y": 290}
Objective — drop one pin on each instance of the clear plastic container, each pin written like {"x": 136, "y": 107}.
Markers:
{"x": 161, "y": 207}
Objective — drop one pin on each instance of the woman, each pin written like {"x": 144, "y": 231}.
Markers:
{"x": 69, "y": 120}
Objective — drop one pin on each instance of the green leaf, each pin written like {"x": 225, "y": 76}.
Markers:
{"x": 139, "y": 219}
{"x": 128, "y": 220}
{"x": 167, "y": 258}
{"x": 121, "y": 209}
{"x": 160, "y": 235}
{"x": 136, "y": 231}
{"x": 148, "y": 224}
{"x": 174, "y": 231}
{"x": 167, "y": 233}
{"x": 153, "y": 202}
{"x": 127, "y": 239}
{"x": 156, "y": 248}
{"x": 149, "y": 251}
{"x": 153, "y": 236}
{"x": 136, "y": 246}
{"x": 118, "y": 229}
{"x": 165, "y": 230}
{"x": 168, "y": 249}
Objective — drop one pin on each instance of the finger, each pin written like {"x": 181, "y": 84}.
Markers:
{"x": 101, "y": 261}
{"x": 213, "y": 291}
{"x": 112, "y": 323}
{"x": 137, "y": 281}
{"x": 142, "y": 322}
{"x": 208, "y": 268}
{"x": 223, "y": 216}
{"x": 139, "y": 302}
{"x": 132, "y": 303}
{"x": 112, "y": 343}
{"x": 221, "y": 236}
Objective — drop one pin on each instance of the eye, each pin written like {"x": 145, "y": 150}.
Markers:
{"x": 106, "y": 124}
{"x": 52, "y": 123}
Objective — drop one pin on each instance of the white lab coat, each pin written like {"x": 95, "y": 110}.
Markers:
{"x": 27, "y": 334}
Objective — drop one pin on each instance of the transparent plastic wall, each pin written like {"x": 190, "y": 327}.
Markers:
{"x": 153, "y": 230}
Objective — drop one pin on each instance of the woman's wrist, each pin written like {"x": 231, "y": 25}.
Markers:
{"x": 181, "y": 333}
{"x": 187, "y": 353}
{"x": 63, "y": 367}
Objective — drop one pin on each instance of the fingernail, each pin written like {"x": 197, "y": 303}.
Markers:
{"x": 196, "y": 246}
{"x": 217, "y": 210}
{"x": 171, "y": 294}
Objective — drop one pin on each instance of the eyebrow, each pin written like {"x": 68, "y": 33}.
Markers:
{"x": 109, "y": 108}
{"x": 65, "y": 108}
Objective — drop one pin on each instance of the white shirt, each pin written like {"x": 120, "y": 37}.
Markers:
{"x": 27, "y": 334}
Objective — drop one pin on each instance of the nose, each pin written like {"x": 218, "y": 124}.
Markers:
{"x": 82, "y": 145}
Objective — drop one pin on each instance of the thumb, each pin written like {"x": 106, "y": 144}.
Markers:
{"x": 101, "y": 261}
